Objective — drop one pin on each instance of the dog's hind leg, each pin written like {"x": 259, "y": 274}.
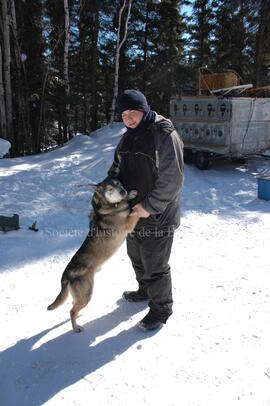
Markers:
{"x": 78, "y": 305}
{"x": 81, "y": 291}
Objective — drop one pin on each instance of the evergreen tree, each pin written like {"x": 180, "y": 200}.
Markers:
{"x": 57, "y": 100}
{"x": 28, "y": 46}
{"x": 56, "y": 89}
{"x": 81, "y": 66}
{"x": 167, "y": 54}
{"x": 260, "y": 12}
{"x": 161, "y": 54}
{"x": 144, "y": 19}
{"x": 200, "y": 32}
{"x": 230, "y": 36}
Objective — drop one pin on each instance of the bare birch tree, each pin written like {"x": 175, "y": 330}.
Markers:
{"x": 117, "y": 54}
{"x": 66, "y": 75}
{"x": 7, "y": 80}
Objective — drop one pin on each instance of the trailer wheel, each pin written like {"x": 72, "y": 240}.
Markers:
{"x": 202, "y": 160}
{"x": 240, "y": 161}
{"x": 188, "y": 156}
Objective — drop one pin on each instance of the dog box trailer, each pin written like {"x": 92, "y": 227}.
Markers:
{"x": 234, "y": 127}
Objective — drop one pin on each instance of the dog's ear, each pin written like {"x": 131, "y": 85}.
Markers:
{"x": 95, "y": 187}
{"x": 132, "y": 194}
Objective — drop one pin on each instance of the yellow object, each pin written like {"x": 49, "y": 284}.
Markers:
{"x": 213, "y": 81}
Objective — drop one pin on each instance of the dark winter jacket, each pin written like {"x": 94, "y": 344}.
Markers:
{"x": 152, "y": 163}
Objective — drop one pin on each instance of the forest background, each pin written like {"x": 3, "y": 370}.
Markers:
{"x": 59, "y": 59}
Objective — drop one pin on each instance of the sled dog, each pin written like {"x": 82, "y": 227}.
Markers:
{"x": 110, "y": 222}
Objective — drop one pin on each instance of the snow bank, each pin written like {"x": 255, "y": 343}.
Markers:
{"x": 4, "y": 147}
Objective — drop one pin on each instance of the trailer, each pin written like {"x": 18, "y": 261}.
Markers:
{"x": 234, "y": 127}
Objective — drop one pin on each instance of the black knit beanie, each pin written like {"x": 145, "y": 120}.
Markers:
{"x": 132, "y": 100}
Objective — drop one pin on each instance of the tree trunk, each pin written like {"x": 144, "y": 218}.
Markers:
{"x": 93, "y": 102}
{"x": 60, "y": 133}
{"x": 66, "y": 75}
{"x": 117, "y": 55}
{"x": 84, "y": 112}
{"x": 22, "y": 122}
{"x": 2, "y": 102}
{"x": 36, "y": 142}
{"x": 7, "y": 80}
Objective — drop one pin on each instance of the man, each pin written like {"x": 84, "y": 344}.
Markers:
{"x": 149, "y": 159}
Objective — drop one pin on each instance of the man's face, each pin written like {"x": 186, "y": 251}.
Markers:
{"x": 132, "y": 118}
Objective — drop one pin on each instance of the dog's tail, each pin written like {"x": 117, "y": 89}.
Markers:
{"x": 62, "y": 295}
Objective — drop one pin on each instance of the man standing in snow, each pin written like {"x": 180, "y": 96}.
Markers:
{"x": 149, "y": 159}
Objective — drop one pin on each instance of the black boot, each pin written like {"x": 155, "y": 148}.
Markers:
{"x": 135, "y": 296}
{"x": 150, "y": 323}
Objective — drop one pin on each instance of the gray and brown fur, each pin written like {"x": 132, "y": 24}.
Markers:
{"x": 110, "y": 222}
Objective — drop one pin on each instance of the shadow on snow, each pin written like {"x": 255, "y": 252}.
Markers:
{"x": 30, "y": 377}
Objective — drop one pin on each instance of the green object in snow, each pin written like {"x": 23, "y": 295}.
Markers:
{"x": 9, "y": 223}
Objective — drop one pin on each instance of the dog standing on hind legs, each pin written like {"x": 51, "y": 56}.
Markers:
{"x": 110, "y": 222}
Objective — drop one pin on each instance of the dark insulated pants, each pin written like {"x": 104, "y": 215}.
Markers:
{"x": 149, "y": 256}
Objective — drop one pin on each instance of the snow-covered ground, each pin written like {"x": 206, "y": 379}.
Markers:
{"x": 214, "y": 350}
{"x": 4, "y": 147}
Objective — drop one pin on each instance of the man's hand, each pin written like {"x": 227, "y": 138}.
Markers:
{"x": 140, "y": 211}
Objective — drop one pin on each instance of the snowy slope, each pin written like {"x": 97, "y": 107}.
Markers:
{"x": 4, "y": 147}
{"x": 214, "y": 350}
